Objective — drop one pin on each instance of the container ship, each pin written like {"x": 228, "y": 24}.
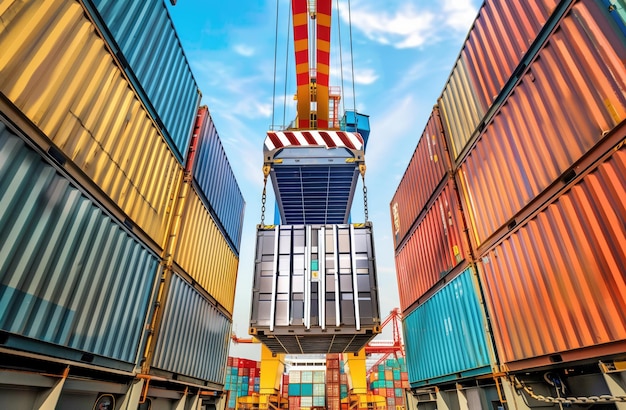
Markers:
{"x": 121, "y": 223}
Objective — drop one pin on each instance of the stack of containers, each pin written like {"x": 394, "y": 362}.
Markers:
{"x": 333, "y": 382}
{"x": 99, "y": 148}
{"x": 307, "y": 388}
{"x": 242, "y": 379}
{"x": 389, "y": 380}
{"x": 533, "y": 118}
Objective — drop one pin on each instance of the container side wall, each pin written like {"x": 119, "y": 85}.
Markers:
{"x": 203, "y": 252}
{"x": 69, "y": 274}
{"x": 434, "y": 247}
{"x": 427, "y": 168}
{"x": 571, "y": 96}
{"x": 557, "y": 284}
{"x": 194, "y": 336}
{"x": 216, "y": 180}
{"x": 157, "y": 66}
{"x": 444, "y": 337}
{"x": 56, "y": 69}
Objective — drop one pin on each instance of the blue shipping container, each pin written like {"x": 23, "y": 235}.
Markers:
{"x": 70, "y": 275}
{"x": 143, "y": 37}
{"x": 216, "y": 180}
{"x": 194, "y": 336}
{"x": 444, "y": 337}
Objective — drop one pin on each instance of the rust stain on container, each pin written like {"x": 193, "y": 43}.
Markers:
{"x": 204, "y": 254}
{"x": 58, "y": 71}
{"x": 571, "y": 96}
{"x": 426, "y": 170}
{"x": 557, "y": 285}
{"x": 435, "y": 246}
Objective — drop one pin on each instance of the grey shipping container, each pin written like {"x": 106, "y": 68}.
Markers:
{"x": 73, "y": 282}
{"x": 315, "y": 288}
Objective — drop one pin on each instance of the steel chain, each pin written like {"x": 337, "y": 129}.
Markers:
{"x": 606, "y": 398}
{"x": 263, "y": 199}
{"x": 365, "y": 199}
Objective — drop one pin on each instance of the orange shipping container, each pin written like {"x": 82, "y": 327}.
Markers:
{"x": 555, "y": 288}
{"x": 203, "y": 253}
{"x": 57, "y": 70}
{"x": 426, "y": 170}
{"x": 571, "y": 95}
{"x": 437, "y": 244}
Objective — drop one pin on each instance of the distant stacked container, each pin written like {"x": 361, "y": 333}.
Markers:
{"x": 102, "y": 132}
{"x": 242, "y": 379}
{"x": 307, "y": 389}
{"x": 389, "y": 380}
{"x": 333, "y": 382}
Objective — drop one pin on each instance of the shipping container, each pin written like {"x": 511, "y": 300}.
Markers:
{"x": 555, "y": 287}
{"x": 445, "y": 336}
{"x": 216, "y": 180}
{"x": 204, "y": 254}
{"x": 57, "y": 70}
{"x": 142, "y": 36}
{"x": 193, "y": 338}
{"x": 315, "y": 280}
{"x": 436, "y": 245}
{"x": 71, "y": 277}
{"x": 566, "y": 102}
{"x": 427, "y": 168}
{"x": 314, "y": 174}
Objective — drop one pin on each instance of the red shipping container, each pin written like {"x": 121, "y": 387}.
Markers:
{"x": 391, "y": 392}
{"x": 399, "y": 401}
{"x": 376, "y": 391}
{"x": 427, "y": 168}
{"x": 565, "y": 266}
{"x": 229, "y": 361}
{"x": 294, "y": 402}
{"x": 577, "y": 81}
{"x": 437, "y": 245}
{"x": 397, "y": 384}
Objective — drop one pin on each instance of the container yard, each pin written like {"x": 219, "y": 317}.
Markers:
{"x": 125, "y": 237}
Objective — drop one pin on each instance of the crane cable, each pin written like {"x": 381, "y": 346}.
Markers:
{"x": 275, "y": 60}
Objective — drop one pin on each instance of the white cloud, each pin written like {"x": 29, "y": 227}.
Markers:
{"x": 244, "y": 50}
{"x": 459, "y": 14}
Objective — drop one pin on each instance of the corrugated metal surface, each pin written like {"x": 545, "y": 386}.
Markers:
{"x": 461, "y": 110}
{"x": 216, "y": 180}
{"x": 557, "y": 284}
{"x": 56, "y": 69}
{"x": 499, "y": 38}
{"x": 435, "y": 246}
{"x": 69, "y": 274}
{"x": 315, "y": 288}
{"x": 445, "y": 336}
{"x": 204, "y": 254}
{"x": 427, "y": 168}
{"x": 570, "y": 97}
{"x": 194, "y": 336}
{"x": 156, "y": 63}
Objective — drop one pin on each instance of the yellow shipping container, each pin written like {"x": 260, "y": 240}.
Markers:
{"x": 58, "y": 71}
{"x": 203, "y": 252}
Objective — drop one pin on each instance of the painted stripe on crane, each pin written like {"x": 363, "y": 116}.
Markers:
{"x": 329, "y": 139}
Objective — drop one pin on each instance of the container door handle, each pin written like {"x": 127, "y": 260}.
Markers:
{"x": 337, "y": 304}
{"x": 357, "y": 312}
{"x": 321, "y": 256}
{"x": 274, "y": 279}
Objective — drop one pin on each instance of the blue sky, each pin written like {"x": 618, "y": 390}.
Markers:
{"x": 402, "y": 54}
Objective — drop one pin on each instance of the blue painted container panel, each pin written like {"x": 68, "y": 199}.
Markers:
{"x": 194, "y": 336}
{"x": 70, "y": 275}
{"x": 143, "y": 33}
{"x": 444, "y": 337}
{"x": 357, "y": 122}
{"x": 216, "y": 180}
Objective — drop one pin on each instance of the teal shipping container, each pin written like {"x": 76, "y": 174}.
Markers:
{"x": 445, "y": 338}
{"x": 143, "y": 38}
{"x": 74, "y": 283}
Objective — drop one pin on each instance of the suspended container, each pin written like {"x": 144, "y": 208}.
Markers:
{"x": 203, "y": 252}
{"x": 445, "y": 337}
{"x": 57, "y": 70}
{"x": 427, "y": 168}
{"x": 555, "y": 287}
{"x": 315, "y": 288}
{"x": 143, "y": 39}
{"x": 193, "y": 338}
{"x": 436, "y": 246}
{"x": 74, "y": 282}
{"x": 314, "y": 174}
{"x": 216, "y": 181}
{"x": 564, "y": 104}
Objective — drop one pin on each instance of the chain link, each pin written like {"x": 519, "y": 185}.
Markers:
{"x": 365, "y": 198}
{"x": 605, "y": 398}
{"x": 263, "y": 199}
